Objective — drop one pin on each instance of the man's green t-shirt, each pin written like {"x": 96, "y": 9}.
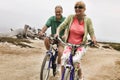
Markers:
{"x": 53, "y": 23}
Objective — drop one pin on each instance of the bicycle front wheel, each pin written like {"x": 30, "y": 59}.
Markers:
{"x": 45, "y": 68}
{"x": 76, "y": 75}
{"x": 66, "y": 74}
{"x": 77, "y": 71}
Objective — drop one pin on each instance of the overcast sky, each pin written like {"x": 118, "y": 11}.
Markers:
{"x": 105, "y": 15}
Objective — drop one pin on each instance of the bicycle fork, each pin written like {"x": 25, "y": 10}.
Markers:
{"x": 54, "y": 65}
{"x": 68, "y": 69}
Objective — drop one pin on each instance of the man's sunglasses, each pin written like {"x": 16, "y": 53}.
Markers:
{"x": 79, "y": 7}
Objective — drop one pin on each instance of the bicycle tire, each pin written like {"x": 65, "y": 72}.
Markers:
{"x": 67, "y": 74}
{"x": 76, "y": 71}
{"x": 44, "y": 73}
{"x": 76, "y": 75}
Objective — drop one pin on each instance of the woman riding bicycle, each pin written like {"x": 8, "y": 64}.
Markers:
{"x": 78, "y": 27}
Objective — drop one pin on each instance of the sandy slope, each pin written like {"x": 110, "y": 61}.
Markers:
{"x": 18, "y": 63}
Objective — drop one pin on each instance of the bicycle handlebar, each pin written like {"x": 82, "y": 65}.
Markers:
{"x": 79, "y": 45}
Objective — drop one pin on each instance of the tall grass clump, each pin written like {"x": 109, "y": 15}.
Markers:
{"x": 15, "y": 41}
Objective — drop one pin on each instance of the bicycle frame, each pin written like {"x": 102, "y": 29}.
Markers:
{"x": 69, "y": 63}
{"x": 52, "y": 57}
{"x": 49, "y": 61}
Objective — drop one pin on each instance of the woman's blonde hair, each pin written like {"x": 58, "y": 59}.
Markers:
{"x": 80, "y": 3}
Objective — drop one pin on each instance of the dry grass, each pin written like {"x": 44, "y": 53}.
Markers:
{"x": 20, "y": 42}
{"x": 15, "y": 41}
{"x": 115, "y": 46}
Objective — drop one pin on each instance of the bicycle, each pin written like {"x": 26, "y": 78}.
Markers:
{"x": 71, "y": 71}
{"x": 49, "y": 61}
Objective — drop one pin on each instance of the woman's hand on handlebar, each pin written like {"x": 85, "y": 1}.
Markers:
{"x": 56, "y": 35}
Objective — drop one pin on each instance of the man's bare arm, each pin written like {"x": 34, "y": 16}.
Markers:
{"x": 43, "y": 30}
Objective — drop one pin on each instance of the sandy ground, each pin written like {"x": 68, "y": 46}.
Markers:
{"x": 18, "y": 63}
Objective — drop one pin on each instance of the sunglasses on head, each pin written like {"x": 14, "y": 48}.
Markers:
{"x": 79, "y": 7}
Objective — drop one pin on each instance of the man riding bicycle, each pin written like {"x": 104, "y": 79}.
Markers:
{"x": 54, "y": 22}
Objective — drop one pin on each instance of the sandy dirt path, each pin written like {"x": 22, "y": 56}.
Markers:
{"x": 18, "y": 63}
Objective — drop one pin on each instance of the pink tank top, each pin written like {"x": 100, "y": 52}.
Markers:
{"x": 76, "y": 32}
